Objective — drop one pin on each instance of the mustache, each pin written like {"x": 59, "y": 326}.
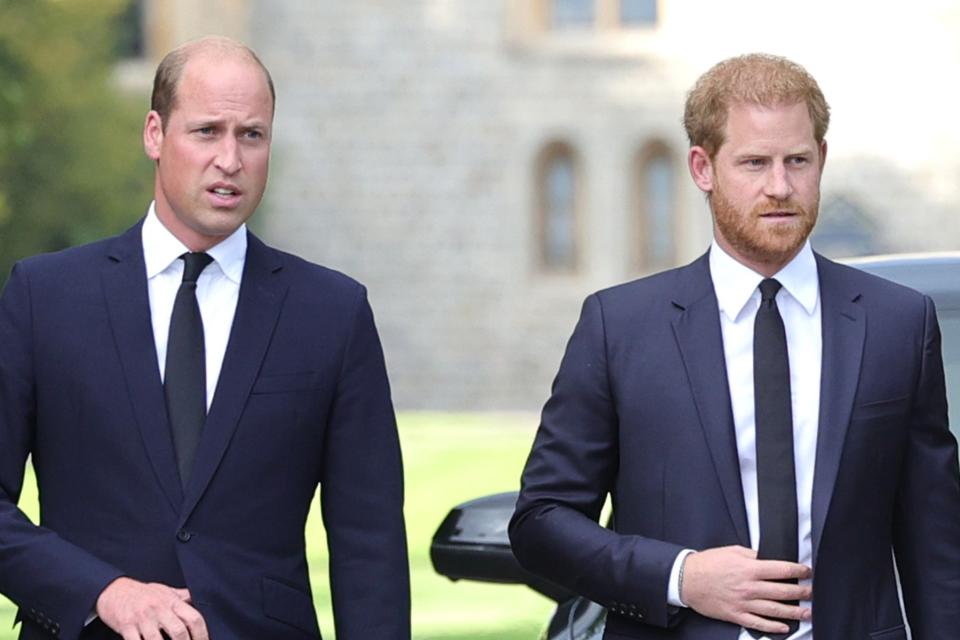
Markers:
{"x": 785, "y": 206}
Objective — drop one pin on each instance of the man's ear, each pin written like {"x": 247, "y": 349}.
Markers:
{"x": 701, "y": 168}
{"x": 152, "y": 135}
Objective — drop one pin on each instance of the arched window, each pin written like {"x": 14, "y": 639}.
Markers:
{"x": 556, "y": 207}
{"x": 654, "y": 239}
{"x": 638, "y": 13}
{"x": 565, "y": 14}
{"x": 604, "y": 15}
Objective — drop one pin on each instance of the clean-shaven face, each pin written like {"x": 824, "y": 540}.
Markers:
{"x": 213, "y": 153}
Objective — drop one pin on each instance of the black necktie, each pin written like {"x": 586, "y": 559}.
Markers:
{"x": 185, "y": 378}
{"x": 776, "y": 479}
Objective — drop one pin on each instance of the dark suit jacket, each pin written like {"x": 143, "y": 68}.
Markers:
{"x": 302, "y": 400}
{"x": 640, "y": 409}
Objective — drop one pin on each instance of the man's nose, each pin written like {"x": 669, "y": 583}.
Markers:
{"x": 228, "y": 156}
{"x": 778, "y": 184}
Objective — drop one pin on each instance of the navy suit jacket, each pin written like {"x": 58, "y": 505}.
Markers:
{"x": 302, "y": 400}
{"x": 640, "y": 409}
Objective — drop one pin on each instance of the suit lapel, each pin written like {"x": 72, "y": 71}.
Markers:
{"x": 844, "y": 330}
{"x": 258, "y": 308}
{"x": 125, "y": 288}
{"x": 698, "y": 335}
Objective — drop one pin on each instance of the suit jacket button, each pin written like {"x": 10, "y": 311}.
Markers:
{"x": 184, "y": 536}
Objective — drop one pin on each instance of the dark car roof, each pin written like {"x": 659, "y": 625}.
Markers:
{"x": 935, "y": 274}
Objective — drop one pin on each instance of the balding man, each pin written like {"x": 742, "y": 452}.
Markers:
{"x": 183, "y": 389}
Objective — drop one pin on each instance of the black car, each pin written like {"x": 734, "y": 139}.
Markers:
{"x": 472, "y": 544}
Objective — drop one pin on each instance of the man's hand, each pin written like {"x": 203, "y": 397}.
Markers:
{"x": 729, "y": 583}
{"x": 137, "y": 610}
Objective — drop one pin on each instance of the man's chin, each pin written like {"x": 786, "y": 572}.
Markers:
{"x": 222, "y": 222}
{"x": 777, "y": 252}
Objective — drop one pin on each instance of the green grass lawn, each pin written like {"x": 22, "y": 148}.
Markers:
{"x": 448, "y": 458}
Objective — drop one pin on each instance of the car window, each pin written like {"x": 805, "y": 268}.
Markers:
{"x": 950, "y": 328}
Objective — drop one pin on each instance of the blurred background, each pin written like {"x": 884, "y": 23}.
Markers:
{"x": 481, "y": 165}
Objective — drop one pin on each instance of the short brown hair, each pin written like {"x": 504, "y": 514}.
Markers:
{"x": 170, "y": 70}
{"x": 755, "y": 78}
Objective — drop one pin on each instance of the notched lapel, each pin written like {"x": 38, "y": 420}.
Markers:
{"x": 698, "y": 335}
{"x": 844, "y": 331}
{"x": 124, "y": 281}
{"x": 262, "y": 292}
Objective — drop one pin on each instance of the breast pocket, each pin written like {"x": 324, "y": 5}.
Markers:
{"x": 286, "y": 382}
{"x": 875, "y": 436}
{"x": 881, "y": 409}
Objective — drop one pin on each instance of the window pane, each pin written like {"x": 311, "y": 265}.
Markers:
{"x": 638, "y": 12}
{"x": 950, "y": 328}
{"x": 559, "y": 235}
{"x": 658, "y": 209}
{"x": 571, "y": 13}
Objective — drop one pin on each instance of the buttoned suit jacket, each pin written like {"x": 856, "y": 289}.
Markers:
{"x": 302, "y": 400}
{"x": 640, "y": 409}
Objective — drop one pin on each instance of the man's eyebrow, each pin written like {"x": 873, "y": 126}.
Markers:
{"x": 204, "y": 122}
{"x": 760, "y": 153}
{"x": 217, "y": 122}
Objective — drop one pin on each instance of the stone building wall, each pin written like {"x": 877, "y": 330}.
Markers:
{"x": 408, "y": 133}
{"x": 405, "y": 151}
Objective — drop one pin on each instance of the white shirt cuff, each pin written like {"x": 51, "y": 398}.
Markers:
{"x": 673, "y": 587}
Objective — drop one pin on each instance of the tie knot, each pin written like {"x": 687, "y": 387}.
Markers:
{"x": 194, "y": 263}
{"x": 768, "y": 289}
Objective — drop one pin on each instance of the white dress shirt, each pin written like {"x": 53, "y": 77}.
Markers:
{"x": 218, "y": 289}
{"x": 798, "y": 300}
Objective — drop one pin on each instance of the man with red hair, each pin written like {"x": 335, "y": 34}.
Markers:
{"x": 771, "y": 425}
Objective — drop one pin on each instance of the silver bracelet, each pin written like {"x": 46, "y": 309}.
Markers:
{"x": 683, "y": 563}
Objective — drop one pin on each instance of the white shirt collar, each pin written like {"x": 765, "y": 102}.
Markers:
{"x": 735, "y": 283}
{"x": 161, "y": 248}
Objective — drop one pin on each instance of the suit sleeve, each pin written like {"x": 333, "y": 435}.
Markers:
{"x": 362, "y": 495}
{"x": 927, "y": 515}
{"x": 572, "y": 467}
{"x": 54, "y": 582}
